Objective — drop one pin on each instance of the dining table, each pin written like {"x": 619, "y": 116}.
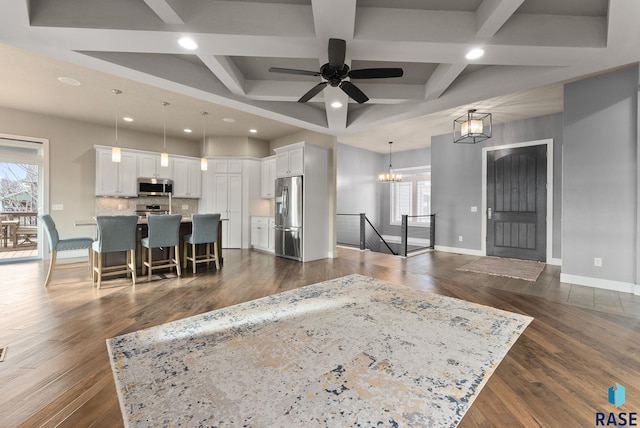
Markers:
{"x": 10, "y": 229}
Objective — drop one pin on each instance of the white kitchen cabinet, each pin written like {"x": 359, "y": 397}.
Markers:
{"x": 290, "y": 160}
{"x": 263, "y": 233}
{"x": 187, "y": 178}
{"x": 116, "y": 178}
{"x": 271, "y": 247}
{"x": 149, "y": 166}
{"x": 226, "y": 166}
{"x": 227, "y": 200}
{"x": 267, "y": 177}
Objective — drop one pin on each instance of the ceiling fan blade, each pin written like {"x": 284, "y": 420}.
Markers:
{"x": 312, "y": 92}
{"x": 354, "y": 92}
{"x": 375, "y": 73}
{"x": 294, "y": 71}
{"x": 337, "y": 51}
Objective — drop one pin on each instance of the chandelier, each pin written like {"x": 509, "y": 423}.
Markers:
{"x": 390, "y": 176}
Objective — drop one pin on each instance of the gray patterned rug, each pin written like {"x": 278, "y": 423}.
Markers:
{"x": 353, "y": 351}
{"x": 512, "y": 268}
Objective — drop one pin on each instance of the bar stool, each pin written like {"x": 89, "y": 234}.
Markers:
{"x": 115, "y": 233}
{"x": 164, "y": 232}
{"x": 56, "y": 244}
{"x": 204, "y": 231}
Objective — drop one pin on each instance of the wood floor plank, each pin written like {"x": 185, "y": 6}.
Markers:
{"x": 57, "y": 371}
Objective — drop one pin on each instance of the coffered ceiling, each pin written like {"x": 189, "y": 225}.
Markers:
{"x": 531, "y": 47}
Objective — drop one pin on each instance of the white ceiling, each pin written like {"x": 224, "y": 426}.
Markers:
{"x": 531, "y": 47}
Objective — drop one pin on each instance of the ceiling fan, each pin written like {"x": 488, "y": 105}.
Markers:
{"x": 336, "y": 70}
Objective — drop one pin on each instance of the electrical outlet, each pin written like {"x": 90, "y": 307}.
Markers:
{"x": 120, "y": 207}
{"x": 460, "y": 238}
{"x": 474, "y": 209}
{"x": 57, "y": 207}
{"x": 185, "y": 207}
{"x": 597, "y": 262}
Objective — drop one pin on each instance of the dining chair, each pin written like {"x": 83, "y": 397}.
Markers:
{"x": 116, "y": 233}
{"x": 164, "y": 232}
{"x": 204, "y": 231}
{"x": 4, "y": 231}
{"x": 56, "y": 244}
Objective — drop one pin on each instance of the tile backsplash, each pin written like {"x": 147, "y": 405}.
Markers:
{"x": 124, "y": 206}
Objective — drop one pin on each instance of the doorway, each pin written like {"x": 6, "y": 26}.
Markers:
{"x": 518, "y": 195}
{"x": 21, "y": 199}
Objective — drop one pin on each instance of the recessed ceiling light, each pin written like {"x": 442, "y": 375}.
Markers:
{"x": 127, "y": 119}
{"x": 187, "y": 130}
{"x": 253, "y": 131}
{"x": 188, "y": 43}
{"x": 336, "y": 104}
{"x": 474, "y": 53}
{"x": 228, "y": 119}
{"x": 69, "y": 81}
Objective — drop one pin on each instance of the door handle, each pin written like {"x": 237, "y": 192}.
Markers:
{"x": 489, "y": 214}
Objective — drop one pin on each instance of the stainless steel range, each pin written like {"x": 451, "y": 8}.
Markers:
{"x": 143, "y": 210}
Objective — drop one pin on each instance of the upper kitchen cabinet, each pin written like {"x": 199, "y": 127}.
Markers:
{"x": 226, "y": 166}
{"x": 116, "y": 178}
{"x": 187, "y": 178}
{"x": 267, "y": 177}
{"x": 149, "y": 166}
{"x": 290, "y": 160}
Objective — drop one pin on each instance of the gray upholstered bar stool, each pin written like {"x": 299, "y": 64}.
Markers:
{"x": 56, "y": 244}
{"x": 115, "y": 233}
{"x": 204, "y": 231}
{"x": 164, "y": 232}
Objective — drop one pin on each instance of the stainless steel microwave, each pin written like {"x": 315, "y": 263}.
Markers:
{"x": 154, "y": 186}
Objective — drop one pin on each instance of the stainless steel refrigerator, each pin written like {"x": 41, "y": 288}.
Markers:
{"x": 289, "y": 217}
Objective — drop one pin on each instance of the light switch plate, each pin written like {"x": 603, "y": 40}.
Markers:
{"x": 57, "y": 207}
{"x": 474, "y": 209}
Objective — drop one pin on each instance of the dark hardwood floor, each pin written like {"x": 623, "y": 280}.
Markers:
{"x": 57, "y": 373}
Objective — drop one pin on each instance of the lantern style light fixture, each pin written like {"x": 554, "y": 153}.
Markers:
{"x": 116, "y": 155}
{"x": 203, "y": 161}
{"x": 164, "y": 156}
{"x": 389, "y": 176}
{"x": 472, "y": 127}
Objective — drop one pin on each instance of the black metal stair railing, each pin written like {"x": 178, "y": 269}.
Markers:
{"x": 356, "y": 230}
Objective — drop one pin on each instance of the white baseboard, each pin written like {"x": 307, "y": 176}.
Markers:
{"x": 420, "y": 242}
{"x": 465, "y": 251}
{"x": 607, "y": 284}
{"x": 554, "y": 262}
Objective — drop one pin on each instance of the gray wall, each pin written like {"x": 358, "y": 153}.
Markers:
{"x": 358, "y": 190}
{"x": 599, "y": 204}
{"x": 456, "y": 180}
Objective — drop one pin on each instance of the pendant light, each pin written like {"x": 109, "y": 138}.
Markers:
{"x": 472, "y": 127}
{"x": 389, "y": 176}
{"x": 203, "y": 161}
{"x": 164, "y": 156}
{"x": 116, "y": 155}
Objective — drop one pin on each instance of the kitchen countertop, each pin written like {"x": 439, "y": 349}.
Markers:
{"x": 143, "y": 220}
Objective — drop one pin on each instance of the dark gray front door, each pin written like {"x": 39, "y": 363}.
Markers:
{"x": 517, "y": 203}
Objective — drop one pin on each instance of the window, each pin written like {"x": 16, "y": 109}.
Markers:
{"x": 412, "y": 196}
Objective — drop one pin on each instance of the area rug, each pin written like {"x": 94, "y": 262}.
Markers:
{"x": 512, "y": 268}
{"x": 354, "y": 351}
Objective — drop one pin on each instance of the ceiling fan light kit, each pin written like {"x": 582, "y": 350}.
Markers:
{"x": 472, "y": 127}
{"x": 335, "y": 71}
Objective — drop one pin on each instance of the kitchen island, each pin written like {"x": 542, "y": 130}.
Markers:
{"x": 142, "y": 231}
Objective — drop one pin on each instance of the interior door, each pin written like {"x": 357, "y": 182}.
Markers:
{"x": 516, "y": 202}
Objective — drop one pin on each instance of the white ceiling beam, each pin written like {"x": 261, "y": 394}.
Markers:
{"x": 329, "y": 24}
{"x": 441, "y": 79}
{"x": 163, "y": 9}
{"x": 226, "y": 71}
{"x": 620, "y": 34}
{"x": 492, "y": 14}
